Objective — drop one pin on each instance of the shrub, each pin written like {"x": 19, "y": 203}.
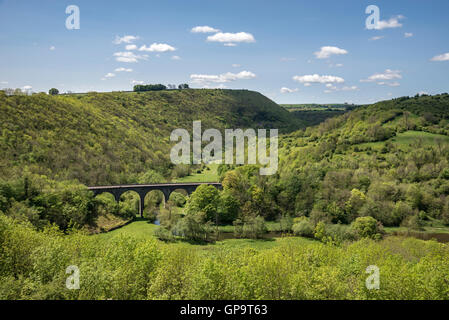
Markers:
{"x": 178, "y": 199}
{"x": 163, "y": 234}
{"x": 286, "y": 223}
{"x": 251, "y": 227}
{"x": 304, "y": 228}
{"x": 413, "y": 223}
{"x": 367, "y": 227}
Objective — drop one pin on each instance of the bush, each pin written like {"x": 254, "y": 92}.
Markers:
{"x": 163, "y": 234}
{"x": 367, "y": 227}
{"x": 192, "y": 227}
{"x": 178, "y": 199}
{"x": 413, "y": 223}
{"x": 304, "y": 228}
{"x": 286, "y": 223}
{"x": 251, "y": 227}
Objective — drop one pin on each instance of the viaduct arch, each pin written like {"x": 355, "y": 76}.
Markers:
{"x": 143, "y": 189}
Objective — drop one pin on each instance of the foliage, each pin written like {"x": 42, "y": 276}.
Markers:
{"x": 367, "y": 227}
{"x": 303, "y": 228}
{"x": 53, "y": 91}
{"x": 149, "y": 87}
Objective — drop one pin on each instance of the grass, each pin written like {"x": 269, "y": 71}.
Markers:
{"x": 206, "y": 175}
{"x": 140, "y": 228}
{"x": 143, "y": 230}
{"x": 405, "y": 140}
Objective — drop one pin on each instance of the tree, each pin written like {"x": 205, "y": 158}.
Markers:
{"x": 53, "y": 91}
{"x": 367, "y": 227}
{"x": 204, "y": 199}
{"x": 183, "y": 86}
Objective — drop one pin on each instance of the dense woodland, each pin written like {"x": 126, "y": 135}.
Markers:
{"x": 340, "y": 182}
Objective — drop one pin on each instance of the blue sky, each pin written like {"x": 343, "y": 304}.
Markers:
{"x": 291, "y": 51}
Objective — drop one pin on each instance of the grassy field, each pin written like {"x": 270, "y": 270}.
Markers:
{"x": 207, "y": 175}
{"x": 406, "y": 140}
{"x": 143, "y": 230}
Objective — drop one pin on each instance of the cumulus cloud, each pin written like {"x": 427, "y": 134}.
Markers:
{"x": 288, "y": 90}
{"x": 125, "y": 39}
{"x": 110, "y": 75}
{"x": 131, "y": 47}
{"x": 123, "y": 70}
{"x": 390, "y": 84}
{"x": 351, "y": 88}
{"x": 222, "y": 78}
{"x": 231, "y": 38}
{"x": 176, "y": 58}
{"x": 387, "y": 75}
{"x": 441, "y": 57}
{"x": 157, "y": 47}
{"x": 204, "y": 29}
{"x": 137, "y": 82}
{"x": 327, "y": 51}
{"x": 128, "y": 57}
{"x": 316, "y": 78}
{"x": 391, "y": 23}
{"x": 408, "y": 35}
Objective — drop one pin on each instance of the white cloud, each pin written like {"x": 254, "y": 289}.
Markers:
{"x": 441, "y": 57}
{"x": 220, "y": 86}
{"x": 128, "y": 57}
{"x": 315, "y": 78}
{"x": 125, "y": 39}
{"x": 351, "y": 88}
{"x": 387, "y": 75}
{"x": 235, "y": 65}
{"x": 221, "y": 78}
{"x": 4, "y": 82}
{"x": 52, "y": 48}
{"x": 123, "y": 70}
{"x": 327, "y": 51}
{"x": 110, "y": 75}
{"x": 288, "y": 90}
{"x": 377, "y": 38}
{"x": 27, "y": 88}
{"x": 391, "y": 84}
{"x": 157, "y": 47}
{"x": 204, "y": 29}
{"x": 176, "y": 58}
{"x": 131, "y": 47}
{"x": 408, "y": 35}
{"x": 233, "y": 38}
{"x": 137, "y": 82}
{"x": 391, "y": 23}
{"x": 230, "y": 44}
{"x": 285, "y": 59}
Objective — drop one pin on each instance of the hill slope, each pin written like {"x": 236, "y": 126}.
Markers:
{"x": 101, "y": 138}
{"x": 388, "y": 160}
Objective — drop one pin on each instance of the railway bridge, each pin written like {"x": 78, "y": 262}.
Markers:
{"x": 143, "y": 189}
